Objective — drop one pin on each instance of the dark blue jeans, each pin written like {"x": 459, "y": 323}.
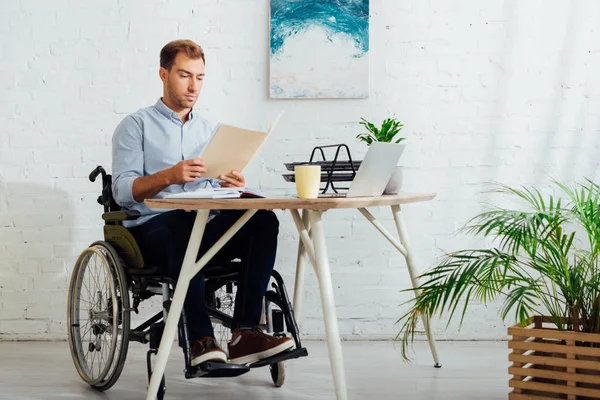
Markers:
{"x": 163, "y": 241}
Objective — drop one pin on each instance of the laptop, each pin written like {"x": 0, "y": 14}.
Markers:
{"x": 375, "y": 171}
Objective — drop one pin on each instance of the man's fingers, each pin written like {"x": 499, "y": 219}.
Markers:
{"x": 195, "y": 172}
{"x": 233, "y": 176}
{"x": 198, "y": 170}
{"x": 229, "y": 179}
{"x": 197, "y": 161}
{"x": 232, "y": 181}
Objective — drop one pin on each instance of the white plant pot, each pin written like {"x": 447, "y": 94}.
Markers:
{"x": 395, "y": 183}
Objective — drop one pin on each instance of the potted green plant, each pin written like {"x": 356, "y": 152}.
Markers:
{"x": 544, "y": 267}
{"x": 387, "y": 133}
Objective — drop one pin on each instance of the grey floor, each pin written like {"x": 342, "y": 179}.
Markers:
{"x": 374, "y": 370}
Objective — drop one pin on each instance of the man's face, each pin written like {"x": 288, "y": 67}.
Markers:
{"x": 183, "y": 81}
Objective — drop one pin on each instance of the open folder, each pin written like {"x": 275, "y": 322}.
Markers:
{"x": 232, "y": 149}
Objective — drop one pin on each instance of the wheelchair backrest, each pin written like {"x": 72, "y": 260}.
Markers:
{"x": 114, "y": 233}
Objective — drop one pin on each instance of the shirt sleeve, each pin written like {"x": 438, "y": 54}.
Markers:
{"x": 127, "y": 160}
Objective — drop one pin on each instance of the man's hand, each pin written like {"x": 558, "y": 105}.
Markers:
{"x": 233, "y": 179}
{"x": 186, "y": 171}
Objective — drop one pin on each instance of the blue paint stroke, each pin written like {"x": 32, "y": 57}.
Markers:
{"x": 290, "y": 17}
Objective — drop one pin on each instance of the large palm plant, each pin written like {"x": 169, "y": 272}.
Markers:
{"x": 544, "y": 260}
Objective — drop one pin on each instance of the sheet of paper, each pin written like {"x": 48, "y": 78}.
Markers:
{"x": 208, "y": 193}
{"x": 217, "y": 193}
{"x": 232, "y": 149}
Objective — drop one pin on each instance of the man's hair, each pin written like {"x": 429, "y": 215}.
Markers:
{"x": 171, "y": 49}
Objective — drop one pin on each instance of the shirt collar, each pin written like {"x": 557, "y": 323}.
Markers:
{"x": 168, "y": 113}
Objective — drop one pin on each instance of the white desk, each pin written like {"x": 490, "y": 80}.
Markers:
{"x": 312, "y": 246}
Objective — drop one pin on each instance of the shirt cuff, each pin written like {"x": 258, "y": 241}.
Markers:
{"x": 124, "y": 191}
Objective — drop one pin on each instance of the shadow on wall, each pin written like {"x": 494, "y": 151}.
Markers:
{"x": 40, "y": 238}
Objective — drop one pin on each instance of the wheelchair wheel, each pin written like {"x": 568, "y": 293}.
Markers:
{"x": 278, "y": 373}
{"x": 98, "y": 317}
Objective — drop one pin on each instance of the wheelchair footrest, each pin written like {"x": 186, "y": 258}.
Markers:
{"x": 286, "y": 355}
{"x": 210, "y": 369}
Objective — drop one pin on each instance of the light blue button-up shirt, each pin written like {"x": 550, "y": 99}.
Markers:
{"x": 151, "y": 140}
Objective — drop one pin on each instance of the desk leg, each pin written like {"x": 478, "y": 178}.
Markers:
{"x": 181, "y": 289}
{"x": 331, "y": 324}
{"x": 189, "y": 269}
{"x": 403, "y": 235}
{"x": 300, "y": 264}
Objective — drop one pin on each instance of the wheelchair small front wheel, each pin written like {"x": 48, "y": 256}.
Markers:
{"x": 98, "y": 317}
{"x": 278, "y": 373}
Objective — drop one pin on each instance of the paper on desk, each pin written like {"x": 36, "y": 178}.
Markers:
{"x": 232, "y": 149}
{"x": 208, "y": 193}
{"x": 216, "y": 193}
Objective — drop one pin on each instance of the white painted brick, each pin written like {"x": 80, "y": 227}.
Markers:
{"x": 29, "y": 250}
{"x": 19, "y": 156}
{"x": 69, "y": 250}
{"x": 68, "y": 184}
{"x": 12, "y": 173}
{"x": 21, "y": 220}
{"x": 20, "y": 204}
{"x": 32, "y": 141}
{"x": 55, "y": 156}
{"x": 51, "y": 281}
{"x": 43, "y": 309}
{"x": 8, "y": 268}
{"x": 54, "y": 234}
{"x": 10, "y": 310}
{"x": 16, "y": 283}
{"x": 29, "y": 267}
{"x": 24, "y": 326}
{"x": 10, "y": 235}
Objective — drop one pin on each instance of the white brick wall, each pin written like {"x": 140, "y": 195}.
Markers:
{"x": 489, "y": 91}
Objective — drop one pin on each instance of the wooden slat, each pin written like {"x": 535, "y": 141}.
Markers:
{"x": 522, "y": 396}
{"x": 564, "y": 376}
{"x": 554, "y": 361}
{"x": 288, "y": 203}
{"x": 548, "y": 319}
{"x": 555, "y": 334}
{"x": 554, "y": 348}
{"x": 547, "y": 387}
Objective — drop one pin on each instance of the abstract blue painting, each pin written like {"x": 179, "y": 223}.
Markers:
{"x": 319, "y": 48}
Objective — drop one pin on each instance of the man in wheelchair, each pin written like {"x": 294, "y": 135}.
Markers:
{"x": 155, "y": 153}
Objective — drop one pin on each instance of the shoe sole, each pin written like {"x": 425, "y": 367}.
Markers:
{"x": 216, "y": 356}
{"x": 250, "y": 358}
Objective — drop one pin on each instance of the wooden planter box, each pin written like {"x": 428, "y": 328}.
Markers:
{"x": 552, "y": 364}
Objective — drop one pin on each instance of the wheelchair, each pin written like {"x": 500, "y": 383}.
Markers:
{"x": 111, "y": 278}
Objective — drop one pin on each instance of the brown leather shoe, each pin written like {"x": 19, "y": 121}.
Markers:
{"x": 248, "y": 346}
{"x": 206, "y": 349}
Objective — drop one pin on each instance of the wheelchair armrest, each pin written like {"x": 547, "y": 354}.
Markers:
{"x": 123, "y": 215}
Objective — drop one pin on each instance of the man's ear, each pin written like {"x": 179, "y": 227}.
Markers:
{"x": 162, "y": 73}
